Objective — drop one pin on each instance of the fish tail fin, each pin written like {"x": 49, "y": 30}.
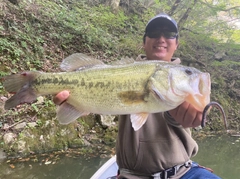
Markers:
{"x": 20, "y": 86}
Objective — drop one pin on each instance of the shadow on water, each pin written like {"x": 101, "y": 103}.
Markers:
{"x": 222, "y": 154}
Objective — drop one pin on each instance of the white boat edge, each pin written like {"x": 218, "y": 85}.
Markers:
{"x": 109, "y": 169}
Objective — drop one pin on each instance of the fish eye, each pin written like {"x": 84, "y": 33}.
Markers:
{"x": 189, "y": 72}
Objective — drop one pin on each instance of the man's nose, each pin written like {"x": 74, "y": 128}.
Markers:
{"x": 161, "y": 37}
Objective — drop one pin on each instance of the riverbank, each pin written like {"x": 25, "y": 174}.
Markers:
{"x": 38, "y": 35}
{"x": 35, "y": 133}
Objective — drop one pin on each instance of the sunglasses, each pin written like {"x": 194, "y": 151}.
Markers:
{"x": 164, "y": 33}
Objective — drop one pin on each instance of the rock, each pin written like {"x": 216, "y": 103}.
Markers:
{"x": 20, "y": 125}
{"x": 47, "y": 123}
{"x": 21, "y": 146}
{"x": 40, "y": 100}
{"x": 9, "y": 137}
{"x": 5, "y": 126}
{"x": 86, "y": 143}
{"x": 107, "y": 120}
{"x": 198, "y": 128}
{"x": 219, "y": 56}
{"x": 32, "y": 124}
{"x": 41, "y": 138}
{"x": 3, "y": 98}
{"x": 64, "y": 132}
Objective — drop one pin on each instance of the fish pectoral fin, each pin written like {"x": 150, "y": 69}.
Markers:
{"x": 66, "y": 113}
{"x": 138, "y": 120}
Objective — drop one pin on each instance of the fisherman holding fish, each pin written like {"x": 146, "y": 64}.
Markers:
{"x": 163, "y": 147}
{"x": 158, "y": 101}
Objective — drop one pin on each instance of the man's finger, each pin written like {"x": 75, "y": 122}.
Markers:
{"x": 61, "y": 97}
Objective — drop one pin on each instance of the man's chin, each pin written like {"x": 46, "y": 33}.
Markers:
{"x": 159, "y": 57}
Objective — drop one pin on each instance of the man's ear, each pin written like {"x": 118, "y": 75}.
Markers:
{"x": 177, "y": 45}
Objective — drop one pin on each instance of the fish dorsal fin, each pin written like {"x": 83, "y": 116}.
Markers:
{"x": 77, "y": 61}
{"x": 123, "y": 61}
{"x": 138, "y": 120}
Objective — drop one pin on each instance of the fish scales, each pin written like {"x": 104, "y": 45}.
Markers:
{"x": 136, "y": 88}
{"x": 108, "y": 87}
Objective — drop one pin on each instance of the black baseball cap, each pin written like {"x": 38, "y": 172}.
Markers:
{"x": 160, "y": 20}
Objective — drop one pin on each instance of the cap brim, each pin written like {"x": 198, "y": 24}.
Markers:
{"x": 161, "y": 22}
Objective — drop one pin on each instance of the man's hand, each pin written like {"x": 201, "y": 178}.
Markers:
{"x": 186, "y": 115}
{"x": 61, "y": 97}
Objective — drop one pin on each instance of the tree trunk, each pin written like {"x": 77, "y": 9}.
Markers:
{"x": 184, "y": 18}
{"x": 174, "y": 7}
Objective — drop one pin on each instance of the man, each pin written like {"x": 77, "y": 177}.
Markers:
{"x": 162, "y": 148}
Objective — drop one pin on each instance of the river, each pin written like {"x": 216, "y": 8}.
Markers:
{"x": 222, "y": 154}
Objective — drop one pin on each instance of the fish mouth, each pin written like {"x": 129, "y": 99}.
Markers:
{"x": 201, "y": 95}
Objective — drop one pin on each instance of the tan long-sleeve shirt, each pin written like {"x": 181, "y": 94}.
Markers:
{"x": 160, "y": 144}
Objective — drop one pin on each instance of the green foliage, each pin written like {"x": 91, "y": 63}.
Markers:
{"x": 226, "y": 64}
{"x": 236, "y": 36}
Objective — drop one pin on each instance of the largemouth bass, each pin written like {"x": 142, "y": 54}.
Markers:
{"x": 136, "y": 88}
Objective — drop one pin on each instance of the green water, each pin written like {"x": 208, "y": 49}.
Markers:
{"x": 222, "y": 154}
{"x": 58, "y": 167}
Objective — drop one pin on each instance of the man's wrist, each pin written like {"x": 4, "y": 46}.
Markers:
{"x": 170, "y": 120}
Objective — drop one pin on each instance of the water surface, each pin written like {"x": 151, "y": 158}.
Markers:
{"x": 222, "y": 154}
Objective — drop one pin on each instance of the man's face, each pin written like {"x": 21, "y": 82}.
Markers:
{"x": 160, "y": 48}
